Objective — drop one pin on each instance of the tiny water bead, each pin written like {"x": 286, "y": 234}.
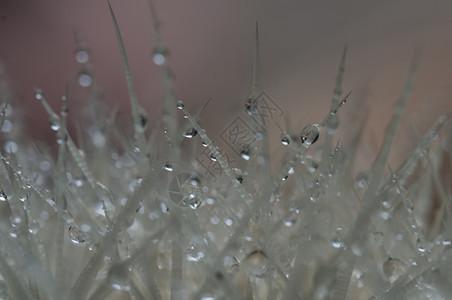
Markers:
{"x": 239, "y": 175}
{"x": 159, "y": 57}
{"x": 10, "y": 147}
{"x": 245, "y": 153}
{"x": 85, "y": 80}
{"x": 255, "y": 264}
{"x": 3, "y": 196}
{"x": 81, "y": 56}
{"x": 76, "y": 236}
{"x": 310, "y": 134}
{"x": 168, "y": 166}
{"x": 142, "y": 121}
{"x": 185, "y": 190}
{"x": 191, "y": 133}
{"x": 39, "y": 95}
{"x": 285, "y": 139}
{"x": 55, "y": 126}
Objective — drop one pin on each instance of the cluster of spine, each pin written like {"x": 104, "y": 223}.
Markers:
{"x": 135, "y": 217}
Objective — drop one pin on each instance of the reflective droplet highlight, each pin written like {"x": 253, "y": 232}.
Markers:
{"x": 310, "y": 134}
{"x": 191, "y": 133}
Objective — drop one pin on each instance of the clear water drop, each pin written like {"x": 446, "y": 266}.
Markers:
{"x": 191, "y": 133}
{"x": 239, "y": 175}
{"x": 55, "y": 126}
{"x": 362, "y": 179}
{"x": 81, "y": 56}
{"x": 76, "y": 236}
{"x": 159, "y": 57}
{"x": 337, "y": 240}
{"x": 229, "y": 221}
{"x": 3, "y": 196}
{"x": 168, "y": 166}
{"x": 85, "y": 80}
{"x": 255, "y": 264}
{"x": 10, "y": 147}
{"x": 7, "y": 126}
{"x": 310, "y": 134}
{"x": 290, "y": 222}
{"x": 180, "y": 104}
{"x": 245, "y": 153}
{"x": 250, "y": 107}
{"x": 285, "y": 139}
{"x": 336, "y": 243}
{"x": 194, "y": 254}
{"x": 420, "y": 246}
{"x": 39, "y": 95}
{"x": 142, "y": 122}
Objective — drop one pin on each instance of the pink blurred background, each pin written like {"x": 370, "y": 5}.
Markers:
{"x": 211, "y": 45}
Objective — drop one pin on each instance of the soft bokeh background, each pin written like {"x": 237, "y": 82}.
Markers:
{"x": 211, "y": 44}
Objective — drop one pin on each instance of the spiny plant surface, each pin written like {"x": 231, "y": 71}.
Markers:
{"x": 116, "y": 216}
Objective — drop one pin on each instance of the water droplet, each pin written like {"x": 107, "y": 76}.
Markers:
{"x": 255, "y": 264}
{"x": 250, "y": 106}
{"x": 310, "y": 134}
{"x": 10, "y": 147}
{"x": 362, "y": 179}
{"x": 159, "y": 56}
{"x": 191, "y": 133}
{"x": 446, "y": 242}
{"x": 337, "y": 240}
{"x": 142, "y": 121}
{"x": 194, "y": 254}
{"x": 420, "y": 246}
{"x": 3, "y": 196}
{"x": 290, "y": 222}
{"x": 85, "y": 80}
{"x": 245, "y": 153}
{"x": 7, "y": 126}
{"x": 39, "y": 95}
{"x": 185, "y": 190}
{"x": 168, "y": 166}
{"x": 385, "y": 215}
{"x": 229, "y": 221}
{"x": 76, "y": 236}
{"x": 214, "y": 220}
{"x": 81, "y": 56}
{"x": 180, "y": 104}
{"x": 285, "y": 139}
{"x": 239, "y": 175}
{"x": 54, "y": 126}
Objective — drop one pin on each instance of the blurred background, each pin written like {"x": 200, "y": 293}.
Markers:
{"x": 211, "y": 46}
